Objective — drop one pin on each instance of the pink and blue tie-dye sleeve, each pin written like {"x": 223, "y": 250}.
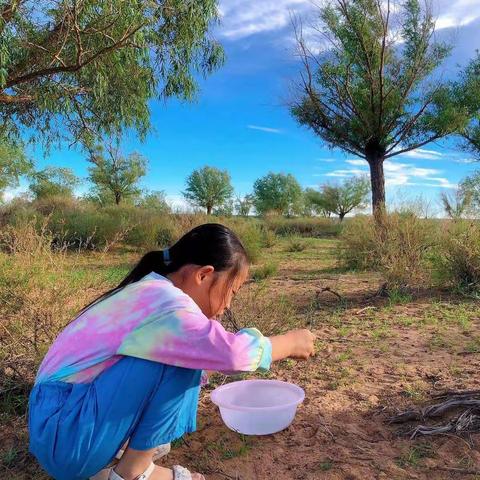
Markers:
{"x": 186, "y": 338}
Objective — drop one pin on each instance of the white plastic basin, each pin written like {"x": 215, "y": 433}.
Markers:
{"x": 258, "y": 407}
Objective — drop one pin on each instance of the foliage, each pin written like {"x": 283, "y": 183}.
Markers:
{"x": 82, "y": 69}
{"x": 470, "y": 187}
{"x": 369, "y": 97}
{"x": 53, "y": 182}
{"x": 305, "y": 227}
{"x": 341, "y": 199}
{"x": 208, "y": 188}
{"x": 244, "y": 205}
{"x": 264, "y": 271}
{"x": 114, "y": 176}
{"x": 13, "y": 164}
{"x": 279, "y": 193}
{"x": 314, "y": 203}
{"x": 153, "y": 200}
{"x": 399, "y": 247}
{"x": 457, "y": 204}
{"x": 458, "y": 258}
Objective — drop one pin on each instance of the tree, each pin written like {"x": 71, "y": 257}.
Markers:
{"x": 371, "y": 95}
{"x": 208, "y": 188}
{"x": 457, "y": 204}
{"x": 53, "y": 182}
{"x": 277, "y": 192}
{"x": 13, "y": 164}
{"x": 470, "y": 188}
{"x": 466, "y": 91}
{"x": 154, "y": 200}
{"x": 315, "y": 203}
{"x": 82, "y": 68}
{"x": 114, "y": 176}
{"x": 341, "y": 199}
{"x": 244, "y": 205}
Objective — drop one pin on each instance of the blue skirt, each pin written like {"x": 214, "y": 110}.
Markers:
{"x": 77, "y": 429}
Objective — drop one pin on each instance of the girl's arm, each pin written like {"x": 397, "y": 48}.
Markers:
{"x": 186, "y": 338}
{"x": 296, "y": 344}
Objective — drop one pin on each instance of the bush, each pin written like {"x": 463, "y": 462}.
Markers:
{"x": 458, "y": 255}
{"x": 250, "y": 233}
{"x": 296, "y": 245}
{"x": 400, "y": 248}
{"x": 264, "y": 271}
{"x": 305, "y": 227}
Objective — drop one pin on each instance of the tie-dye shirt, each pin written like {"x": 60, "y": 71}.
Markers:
{"x": 154, "y": 320}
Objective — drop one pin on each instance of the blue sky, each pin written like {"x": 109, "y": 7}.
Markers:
{"x": 240, "y": 123}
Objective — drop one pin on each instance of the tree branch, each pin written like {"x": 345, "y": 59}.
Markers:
{"x": 74, "y": 68}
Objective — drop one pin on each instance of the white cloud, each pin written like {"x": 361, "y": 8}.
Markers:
{"x": 327, "y": 160}
{"x": 456, "y": 13}
{"x": 359, "y": 162}
{"x": 243, "y": 18}
{"x": 178, "y": 202}
{"x": 11, "y": 193}
{"x": 264, "y": 129}
{"x": 397, "y": 174}
{"x": 424, "y": 154}
{"x": 346, "y": 173}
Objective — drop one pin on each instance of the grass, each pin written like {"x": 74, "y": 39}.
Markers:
{"x": 415, "y": 454}
{"x": 361, "y": 339}
{"x": 264, "y": 271}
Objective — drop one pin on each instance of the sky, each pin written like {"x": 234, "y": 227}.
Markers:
{"x": 240, "y": 121}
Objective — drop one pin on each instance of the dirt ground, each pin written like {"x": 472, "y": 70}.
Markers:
{"x": 375, "y": 357}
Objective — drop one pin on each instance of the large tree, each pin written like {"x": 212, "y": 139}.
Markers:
{"x": 373, "y": 90}
{"x": 80, "y": 68}
{"x": 277, "y": 192}
{"x": 208, "y": 188}
{"x": 115, "y": 177}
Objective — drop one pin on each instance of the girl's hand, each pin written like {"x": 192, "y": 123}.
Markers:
{"x": 294, "y": 344}
{"x": 302, "y": 343}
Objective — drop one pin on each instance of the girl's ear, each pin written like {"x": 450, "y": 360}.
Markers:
{"x": 203, "y": 273}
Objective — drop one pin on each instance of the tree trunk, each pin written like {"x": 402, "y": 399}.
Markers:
{"x": 377, "y": 179}
{"x": 209, "y": 209}
{"x": 341, "y": 216}
{"x": 118, "y": 198}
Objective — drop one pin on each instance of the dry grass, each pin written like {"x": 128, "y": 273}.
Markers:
{"x": 375, "y": 356}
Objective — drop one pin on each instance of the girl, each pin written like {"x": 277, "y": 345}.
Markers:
{"x": 129, "y": 367}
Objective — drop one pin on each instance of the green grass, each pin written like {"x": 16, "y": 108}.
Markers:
{"x": 264, "y": 271}
{"x": 415, "y": 454}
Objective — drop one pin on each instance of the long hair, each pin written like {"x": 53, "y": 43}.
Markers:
{"x": 208, "y": 244}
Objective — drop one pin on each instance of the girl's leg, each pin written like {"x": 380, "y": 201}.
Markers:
{"x": 77, "y": 432}
{"x": 135, "y": 462}
{"x": 171, "y": 410}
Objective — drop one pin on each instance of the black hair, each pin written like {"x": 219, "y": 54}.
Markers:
{"x": 208, "y": 244}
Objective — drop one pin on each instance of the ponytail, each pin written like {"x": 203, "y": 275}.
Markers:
{"x": 208, "y": 244}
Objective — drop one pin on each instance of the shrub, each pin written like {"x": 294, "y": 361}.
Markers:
{"x": 250, "y": 233}
{"x": 264, "y": 271}
{"x": 305, "y": 227}
{"x": 269, "y": 238}
{"x": 296, "y": 245}
{"x": 399, "y": 247}
{"x": 458, "y": 255}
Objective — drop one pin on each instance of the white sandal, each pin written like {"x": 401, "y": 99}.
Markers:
{"x": 179, "y": 473}
{"x": 160, "y": 452}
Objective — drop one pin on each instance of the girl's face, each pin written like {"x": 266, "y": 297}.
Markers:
{"x": 212, "y": 292}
